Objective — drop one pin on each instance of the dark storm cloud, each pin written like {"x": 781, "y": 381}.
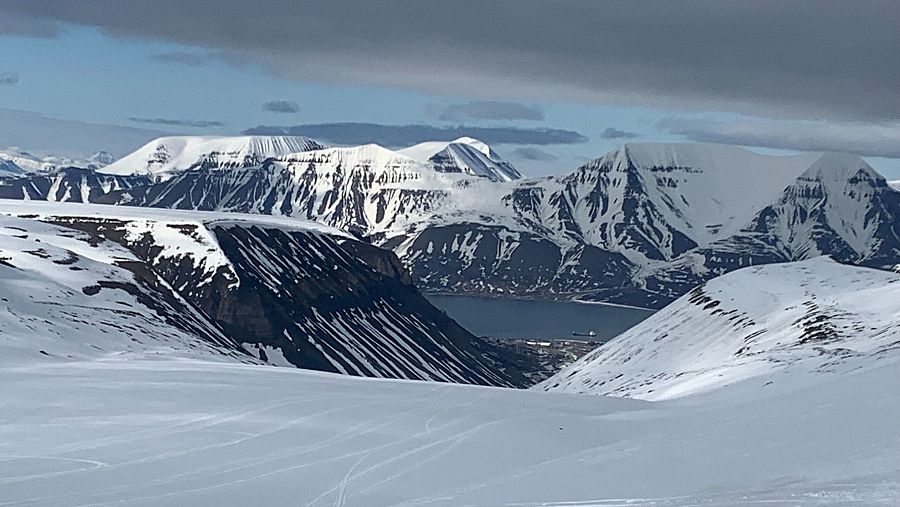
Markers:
{"x": 491, "y": 110}
{"x": 26, "y": 25}
{"x": 9, "y": 78}
{"x": 281, "y": 106}
{"x": 405, "y": 135}
{"x": 867, "y": 139}
{"x": 805, "y": 59}
{"x": 528, "y": 153}
{"x": 177, "y": 123}
{"x": 613, "y": 133}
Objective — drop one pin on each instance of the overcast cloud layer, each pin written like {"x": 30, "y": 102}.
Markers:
{"x": 395, "y": 136}
{"x": 491, "y": 110}
{"x": 807, "y": 59}
{"x": 877, "y": 140}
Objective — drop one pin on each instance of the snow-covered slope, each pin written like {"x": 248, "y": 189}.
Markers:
{"x": 67, "y": 295}
{"x": 203, "y": 433}
{"x": 814, "y": 317}
{"x": 163, "y": 157}
{"x": 70, "y": 184}
{"x": 292, "y": 293}
{"x": 894, "y": 184}
{"x": 9, "y": 168}
{"x": 464, "y": 155}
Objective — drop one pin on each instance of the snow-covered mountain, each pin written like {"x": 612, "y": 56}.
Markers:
{"x": 641, "y": 225}
{"x": 290, "y": 293}
{"x": 894, "y": 184}
{"x": 163, "y": 157}
{"x": 812, "y": 317}
{"x": 363, "y": 189}
{"x": 69, "y": 184}
{"x": 14, "y": 161}
{"x": 647, "y": 222}
{"x": 464, "y": 155}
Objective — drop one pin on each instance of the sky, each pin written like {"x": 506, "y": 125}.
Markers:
{"x": 548, "y": 91}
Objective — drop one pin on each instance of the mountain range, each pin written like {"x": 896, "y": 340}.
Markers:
{"x": 640, "y": 225}
{"x": 14, "y": 162}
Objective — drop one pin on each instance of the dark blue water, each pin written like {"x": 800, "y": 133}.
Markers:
{"x": 519, "y": 318}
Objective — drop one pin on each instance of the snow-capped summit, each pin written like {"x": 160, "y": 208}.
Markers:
{"x": 163, "y": 157}
{"x": 464, "y": 155}
{"x": 833, "y": 166}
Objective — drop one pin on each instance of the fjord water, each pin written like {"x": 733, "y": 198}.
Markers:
{"x": 523, "y": 318}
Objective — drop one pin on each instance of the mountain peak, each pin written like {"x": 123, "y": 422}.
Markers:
{"x": 474, "y": 143}
{"x": 464, "y": 155}
{"x": 834, "y": 166}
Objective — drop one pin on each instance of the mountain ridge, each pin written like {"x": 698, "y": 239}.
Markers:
{"x": 640, "y": 225}
{"x": 165, "y": 156}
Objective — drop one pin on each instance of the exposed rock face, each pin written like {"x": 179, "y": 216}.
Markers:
{"x": 309, "y": 297}
{"x": 70, "y": 184}
{"x": 69, "y": 295}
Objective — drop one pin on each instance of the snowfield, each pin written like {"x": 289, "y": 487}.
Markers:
{"x": 182, "y": 432}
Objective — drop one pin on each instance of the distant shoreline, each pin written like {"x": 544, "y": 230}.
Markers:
{"x": 526, "y": 298}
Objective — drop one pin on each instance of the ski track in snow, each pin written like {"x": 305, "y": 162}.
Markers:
{"x": 177, "y": 432}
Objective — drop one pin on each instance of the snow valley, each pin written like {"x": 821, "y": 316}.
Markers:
{"x": 241, "y": 321}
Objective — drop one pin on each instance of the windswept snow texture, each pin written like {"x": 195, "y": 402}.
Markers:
{"x": 815, "y": 317}
{"x": 291, "y": 292}
{"x": 163, "y": 157}
{"x": 464, "y": 155}
{"x": 203, "y": 433}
